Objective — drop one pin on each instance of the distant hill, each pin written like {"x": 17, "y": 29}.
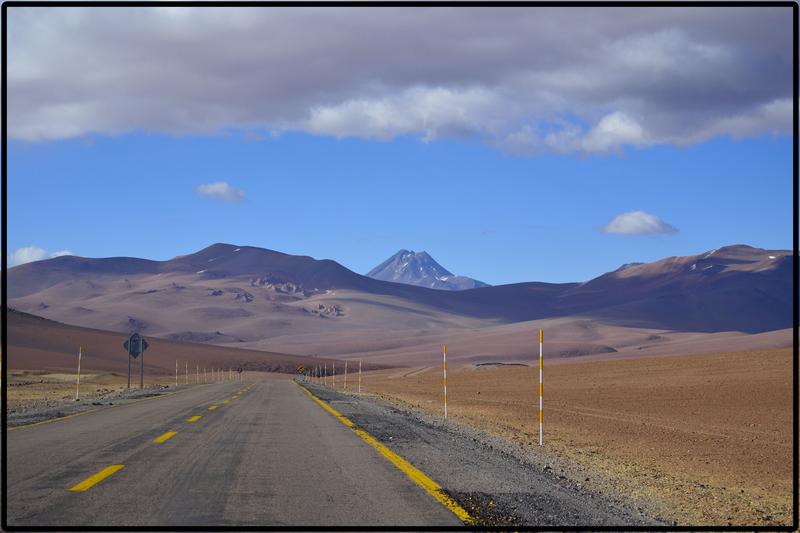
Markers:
{"x": 38, "y": 343}
{"x": 419, "y": 268}
{"x": 733, "y": 288}
{"x": 252, "y": 297}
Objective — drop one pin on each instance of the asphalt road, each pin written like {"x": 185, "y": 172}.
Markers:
{"x": 266, "y": 456}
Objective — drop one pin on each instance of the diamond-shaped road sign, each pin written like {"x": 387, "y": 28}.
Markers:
{"x": 136, "y": 345}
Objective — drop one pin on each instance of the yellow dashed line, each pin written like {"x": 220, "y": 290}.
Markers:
{"x": 416, "y": 475}
{"x": 89, "y": 482}
{"x": 165, "y": 437}
{"x": 194, "y": 418}
{"x": 226, "y": 401}
{"x": 213, "y": 407}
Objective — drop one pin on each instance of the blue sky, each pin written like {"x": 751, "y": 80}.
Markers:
{"x": 512, "y": 144}
{"x": 496, "y": 217}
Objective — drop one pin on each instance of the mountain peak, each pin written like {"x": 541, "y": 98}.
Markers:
{"x": 419, "y": 268}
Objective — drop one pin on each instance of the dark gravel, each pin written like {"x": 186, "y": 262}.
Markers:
{"x": 497, "y": 487}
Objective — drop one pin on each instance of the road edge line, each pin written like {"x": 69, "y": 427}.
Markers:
{"x": 415, "y": 474}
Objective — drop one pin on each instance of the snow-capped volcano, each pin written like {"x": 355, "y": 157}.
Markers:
{"x": 419, "y": 268}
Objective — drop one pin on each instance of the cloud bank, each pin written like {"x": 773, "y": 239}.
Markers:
{"x": 638, "y": 223}
{"x": 524, "y": 80}
{"x": 32, "y": 253}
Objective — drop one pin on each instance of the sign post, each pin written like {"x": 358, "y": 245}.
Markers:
{"x": 78, "y": 382}
{"x": 359, "y": 376}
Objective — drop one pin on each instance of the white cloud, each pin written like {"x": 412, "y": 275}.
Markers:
{"x": 220, "y": 190}
{"x": 525, "y": 80}
{"x": 638, "y": 223}
{"x": 430, "y": 112}
{"x": 612, "y": 132}
{"x": 32, "y": 253}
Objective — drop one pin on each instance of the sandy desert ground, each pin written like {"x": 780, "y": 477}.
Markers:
{"x": 706, "y": 436}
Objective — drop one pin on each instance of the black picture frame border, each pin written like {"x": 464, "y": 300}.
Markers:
{"x": 397, "y": 3}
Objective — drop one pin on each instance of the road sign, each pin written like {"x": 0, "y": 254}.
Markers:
{"x": 136, "y": 345}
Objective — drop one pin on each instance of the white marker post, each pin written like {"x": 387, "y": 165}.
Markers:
{"x": 345, "y": 375}
{"x": 333, "y": 375}
{"x": 541, "y": 387}
{"x": 444, "y": 359}
{"x": 78, "y": 382}
{"x": 187, "y": 373}
{"x": 325, "y": 375}
{"x": 197, "y": 375}
{"x": 359, "y": 376}
{"x": 176, "y": 373}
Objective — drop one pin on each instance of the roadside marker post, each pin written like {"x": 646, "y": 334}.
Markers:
{"x": 205, "y": 376}
{"x": 541, "y": 387}
{"x": 78, "y": 382}
{"x": 345, "y": 375}
{"x": 444, "y": 359}
{"x": 359, "y": 376}
{"x": 197, "y": 375}
{"x": 333, "y": 375}
{"x": 325, "y": 375}
{"x": 187, "y": 372}
{"x": 176, "y": 373}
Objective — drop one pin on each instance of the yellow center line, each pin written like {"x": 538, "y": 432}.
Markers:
{"x": 90, "y": 481}
{"x": 165, "y": 437}
{"x": 213, "y": 407}
{"x": 194, "y": 418}
{"x": 415, "y": 474}
{"x": 226, "y": 401}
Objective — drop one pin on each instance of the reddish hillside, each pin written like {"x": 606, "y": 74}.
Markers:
{"x": 38, "y": 343}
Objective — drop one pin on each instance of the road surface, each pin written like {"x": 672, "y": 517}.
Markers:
{"x": 266, "y": 455}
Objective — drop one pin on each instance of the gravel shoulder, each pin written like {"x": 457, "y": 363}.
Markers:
{"x": 487, "y": 476}
{"x": 32, "y": 413}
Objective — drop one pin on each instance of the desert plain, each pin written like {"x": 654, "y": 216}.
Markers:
{"x": 704, "y": 439}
